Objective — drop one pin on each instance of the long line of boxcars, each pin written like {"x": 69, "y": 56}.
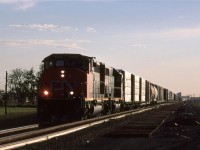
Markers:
{"x": 78, "y": 86}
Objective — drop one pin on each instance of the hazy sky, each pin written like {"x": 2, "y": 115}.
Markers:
{"x": 155, "y": 39}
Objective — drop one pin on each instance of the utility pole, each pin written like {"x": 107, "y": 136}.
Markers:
{"x": 6, "y": 94}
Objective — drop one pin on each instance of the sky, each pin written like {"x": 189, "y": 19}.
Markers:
{"x": 158, "y": 40}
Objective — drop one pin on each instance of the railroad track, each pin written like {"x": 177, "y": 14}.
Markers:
{"x": 43, "y": 134}
{"x": 145, "y": 125}
{"x": 8, "y": 132}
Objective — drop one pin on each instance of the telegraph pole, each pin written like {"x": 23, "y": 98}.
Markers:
{"x": 6, "y": 94}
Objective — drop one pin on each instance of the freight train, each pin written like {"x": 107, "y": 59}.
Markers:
{"x": 74, "y": 86}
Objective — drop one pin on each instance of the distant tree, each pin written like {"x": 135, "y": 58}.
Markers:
{"x": 29, "y": 85}
{"x": 38, "y": 74}
{"x": 22, "y": 83}
{"x": 15, "y": 81}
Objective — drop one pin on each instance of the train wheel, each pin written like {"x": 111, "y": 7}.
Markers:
{"x": 109, "y": 112}
{"x": 86, "y": 114}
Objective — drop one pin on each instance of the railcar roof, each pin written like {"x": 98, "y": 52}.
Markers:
{"x": 64, "y": 56}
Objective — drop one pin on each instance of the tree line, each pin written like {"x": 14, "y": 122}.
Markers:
{"x": 23, "y": 84}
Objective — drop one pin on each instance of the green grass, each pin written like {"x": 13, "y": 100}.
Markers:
{"x": 196, "y": 104}
{"x": 17, "y": 110}
{"x": 17, "y": 116}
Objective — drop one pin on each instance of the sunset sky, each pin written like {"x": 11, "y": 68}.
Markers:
{"x": 158, "y": 40}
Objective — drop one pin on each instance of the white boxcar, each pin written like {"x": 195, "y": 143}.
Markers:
{"x": 127, "y": 86}
{"x": 136, "y": 88}
{"x": 170, "y": 96}
{"x": 142, "y": 89}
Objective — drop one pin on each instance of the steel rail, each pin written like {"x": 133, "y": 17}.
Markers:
{"x": 17, "y": 129}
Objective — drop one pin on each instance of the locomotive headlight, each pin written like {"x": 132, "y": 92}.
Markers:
{"x": 62, "y": 73}
{"x": 71, "y": 92}
{"x": 46, "y": 93}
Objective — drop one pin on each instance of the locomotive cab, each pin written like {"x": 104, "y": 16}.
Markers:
{"x": 63, "y": 87}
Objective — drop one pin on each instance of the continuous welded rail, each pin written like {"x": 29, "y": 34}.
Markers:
{"x": 17, "y": 130}
{"x": 42, "y": 134}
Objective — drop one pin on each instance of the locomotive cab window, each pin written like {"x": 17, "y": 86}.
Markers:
{"x": 48, "y": 64}
{"x": 60, "y": 63}
{"x": 78, "y": 63}
{"x": 84, "y": 65}
{"x": 72, "y": 62}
